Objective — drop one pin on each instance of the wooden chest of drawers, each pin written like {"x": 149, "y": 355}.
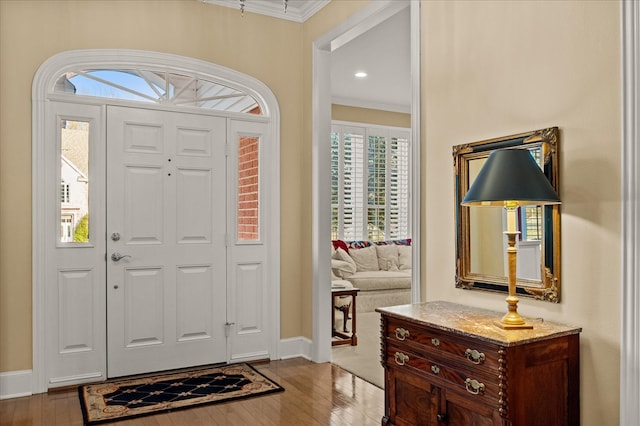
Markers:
{"x": 447, "y": 364}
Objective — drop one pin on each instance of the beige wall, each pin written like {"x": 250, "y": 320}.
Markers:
{"x": 368, "y": 115}
{"x": 489, "y": 69}
{"x": 32, "y": 31}
{"x": 276, "y": 52}
{"x": 495, "y": 68}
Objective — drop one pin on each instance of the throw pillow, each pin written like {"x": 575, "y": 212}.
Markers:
{"x": 342, "y": 269}
{"x": 344, "y": 256}
{"x": 404, "y": 257}
{"x": 387, "y": 257}
{"x": 366, "y": 259}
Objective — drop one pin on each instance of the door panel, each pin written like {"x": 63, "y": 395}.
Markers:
{"x": 144, "y": 307}
{"x": 166, "y": 176}
{"x": 143, "y": 191}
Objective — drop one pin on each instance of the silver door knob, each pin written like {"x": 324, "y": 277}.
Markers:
{"x": 117, "y": 256}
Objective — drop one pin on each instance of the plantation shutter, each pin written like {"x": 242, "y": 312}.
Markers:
{"x": 369, "y": 183}
{"x": 399, "y": 188}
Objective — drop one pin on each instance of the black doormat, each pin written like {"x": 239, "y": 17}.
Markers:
{"x": 126, "y": 398}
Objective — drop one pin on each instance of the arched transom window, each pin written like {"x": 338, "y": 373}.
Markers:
{"x": 160, "y": 87}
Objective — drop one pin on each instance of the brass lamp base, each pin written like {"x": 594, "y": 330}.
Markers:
{"x": 523, "y": 326}
{"x": 512, "y": 319}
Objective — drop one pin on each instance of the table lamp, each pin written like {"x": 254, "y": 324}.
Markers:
{"x": 511, "y": 178}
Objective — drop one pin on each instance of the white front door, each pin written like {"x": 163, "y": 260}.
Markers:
{"x": 166, "y": 255}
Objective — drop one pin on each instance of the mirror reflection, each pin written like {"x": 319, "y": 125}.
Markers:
{"x": 481, "y": 246}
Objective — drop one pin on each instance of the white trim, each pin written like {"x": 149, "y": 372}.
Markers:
{"x": 369, "y": 125}
{"x": 630, "y": 295}
{"x": 295, "y": 347}
{"x": 360, "y": 22}
{"x": 321, "y": 205}
{"x": 297, "y": 11}
{"x": 416, "y": 143}
{"x": 43, "y": 86}
{"x": 15, "y": 384}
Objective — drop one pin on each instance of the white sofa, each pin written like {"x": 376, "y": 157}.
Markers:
{"x": 381, "y": 272}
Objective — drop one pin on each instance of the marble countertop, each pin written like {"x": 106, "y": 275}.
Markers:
{"x": 476, "y": 322}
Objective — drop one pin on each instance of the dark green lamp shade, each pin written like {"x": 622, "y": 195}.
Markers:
{"x": 510, "y": 175}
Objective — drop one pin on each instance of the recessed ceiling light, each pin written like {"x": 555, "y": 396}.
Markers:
{"x": 360, "y": 74}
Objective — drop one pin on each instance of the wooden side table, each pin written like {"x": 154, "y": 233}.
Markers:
{"x": 344, "y": 338}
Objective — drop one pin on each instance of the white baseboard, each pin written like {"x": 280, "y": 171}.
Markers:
{"x": 295, "y": 347}
{"x": 15, "y": 384}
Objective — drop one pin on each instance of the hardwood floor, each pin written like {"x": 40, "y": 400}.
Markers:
{"x": 315, "y": 394}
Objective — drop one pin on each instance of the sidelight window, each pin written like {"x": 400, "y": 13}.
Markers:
{"x": 248, "y": 188}
{"x": 74, "y": 181}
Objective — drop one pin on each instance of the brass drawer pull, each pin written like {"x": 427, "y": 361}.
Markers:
{"x": 473, "y": 386}
{"x": 435, "y": 342}
{"x": 435, "y": 369}
{"x": 401, "y": 358}
{"x": 401, "y": 333}
{"x": 474, "y": 356}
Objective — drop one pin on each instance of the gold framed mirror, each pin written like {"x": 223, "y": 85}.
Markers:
{"x": 480, "y": 246}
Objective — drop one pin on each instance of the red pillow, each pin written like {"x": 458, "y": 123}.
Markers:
{"x": 340, "y": 244}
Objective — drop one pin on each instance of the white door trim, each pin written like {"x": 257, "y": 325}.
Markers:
{"x": 322, "y": 47}
{"x": 630, "y": 157}
{"x": 42, "y": 92}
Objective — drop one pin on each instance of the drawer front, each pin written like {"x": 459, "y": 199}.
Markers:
{"x": 477, "y": 385}
{"x": 468, "y": 353}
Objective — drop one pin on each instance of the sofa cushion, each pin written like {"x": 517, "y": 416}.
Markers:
{"x": 366, "y": 259}
{"x": 381, "y": 280}
{"x": 404, "y": 257}
{"x": 387, "y": 257}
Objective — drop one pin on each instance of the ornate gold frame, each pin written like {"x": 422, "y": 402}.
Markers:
{"x": 548, "y": 288}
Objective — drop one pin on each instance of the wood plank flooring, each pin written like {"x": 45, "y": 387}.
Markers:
{"x": 315, "y": 394}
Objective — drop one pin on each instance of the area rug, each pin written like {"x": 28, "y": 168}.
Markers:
{"x": 125, "y": 398}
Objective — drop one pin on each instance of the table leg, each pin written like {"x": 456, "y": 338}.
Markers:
{"x": 333, "y": 316}
{"x": 354, "y": 338}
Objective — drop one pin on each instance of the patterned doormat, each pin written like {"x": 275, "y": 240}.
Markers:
{"x": 125, "y": 398}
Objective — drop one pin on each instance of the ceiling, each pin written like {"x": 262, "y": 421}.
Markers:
{"x": 383, "y": 52}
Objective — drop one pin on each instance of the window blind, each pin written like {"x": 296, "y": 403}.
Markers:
{"x": 370, "y": 185}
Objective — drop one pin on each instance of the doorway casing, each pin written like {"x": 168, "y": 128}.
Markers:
{"x": 351, "y": 28}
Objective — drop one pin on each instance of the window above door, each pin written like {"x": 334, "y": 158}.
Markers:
{"x": 159, "y": 87}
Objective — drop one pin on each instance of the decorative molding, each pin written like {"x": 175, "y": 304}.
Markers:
{"x": 630, "y": 295}
{"x": 15, "y": 384}
{"x": 297, "y": 10}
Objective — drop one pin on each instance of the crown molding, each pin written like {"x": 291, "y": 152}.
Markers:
{"x": 297, "y": 10}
